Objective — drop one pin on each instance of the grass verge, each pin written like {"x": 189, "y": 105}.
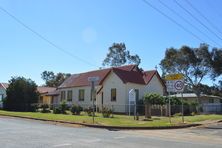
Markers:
{"x": 117, "y": 120}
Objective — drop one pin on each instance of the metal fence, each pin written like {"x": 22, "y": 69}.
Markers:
{"x": 139, "y": 109}
{"x": 215, "y": 108}
{"x": 156, "y": 110}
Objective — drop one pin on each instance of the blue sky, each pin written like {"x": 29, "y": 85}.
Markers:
{"x": 86, "y": 28}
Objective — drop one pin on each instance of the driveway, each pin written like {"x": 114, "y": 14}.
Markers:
{"x": 21, "y": 133}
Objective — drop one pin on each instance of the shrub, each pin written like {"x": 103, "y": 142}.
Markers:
{"x": 56, "y": 110}
{"x": 45, "y": 108}
{"x": 106, "y": 112}
{"x": 76, "y": 109}
{"x": 89, "y": 111}
{"x": 193, "y": 114}
{"x": 177, "y": 114}
{"x": 63, "y": 107}
{"x": 154, "y": 99}
{"x": 34, "y": 108}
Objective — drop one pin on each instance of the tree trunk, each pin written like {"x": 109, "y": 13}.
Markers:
{"x": 147, "y": 111}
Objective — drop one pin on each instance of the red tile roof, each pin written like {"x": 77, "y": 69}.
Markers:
{"x": 82, "y": 78}
{"x": 148, "y": 75}
{"x": 43, "y": 89}
{"x": 128, "y": 73}
{"x": 129, "y": 76}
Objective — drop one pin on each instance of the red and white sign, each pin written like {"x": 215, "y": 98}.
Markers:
{"x": 175, "y": 84}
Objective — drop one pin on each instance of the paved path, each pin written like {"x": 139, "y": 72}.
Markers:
{"x": 21, "y": 133}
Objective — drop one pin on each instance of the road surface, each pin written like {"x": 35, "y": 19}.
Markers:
{"x": 22, "y": 133}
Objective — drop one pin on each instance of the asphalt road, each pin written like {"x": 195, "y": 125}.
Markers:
{"x": 21, "y": 133}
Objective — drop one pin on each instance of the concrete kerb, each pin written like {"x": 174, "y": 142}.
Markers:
{"x": 110, "y": 127}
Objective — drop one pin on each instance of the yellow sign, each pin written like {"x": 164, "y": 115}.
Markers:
{"x": 172, "y": 77}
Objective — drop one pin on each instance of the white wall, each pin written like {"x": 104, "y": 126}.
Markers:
{"x": 2, "y": 92}
{"x": 154, "y": 86}
{"x": 113, "y": 81}
{"x": 75, "y": 95}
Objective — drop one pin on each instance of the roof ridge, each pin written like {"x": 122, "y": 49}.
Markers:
{"x": 150, "y": 70}
{"x": 110, "y": 68}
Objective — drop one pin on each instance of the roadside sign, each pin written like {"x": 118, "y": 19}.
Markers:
{"x": 172, "y": 77}
{"x": 132, "y": 95}
{"x": 170, "y": 86}
{"x": 132, "y": 101}
{"x": 93, "y": 79}
{"x": 178, "y": 85}
{"x": 175, "y": 83}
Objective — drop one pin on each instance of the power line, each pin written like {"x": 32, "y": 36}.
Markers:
{"x": 172, "y": 20}
{"x": 184, "y": 19}
{"x": 45, "y": 39}
{"x": 201, "y": 14}
{"x": 197, "y": 19}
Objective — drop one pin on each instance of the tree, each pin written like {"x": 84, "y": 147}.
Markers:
{"x": 152, "y": 99}
{"x": 216, "y": 62}
{"x": 215, "y": 90}
{"x": 118, "y": 56}
{"x": 21, "y": 95}
{"x": 54, "y": 80}
{"x": 193, "y": 63}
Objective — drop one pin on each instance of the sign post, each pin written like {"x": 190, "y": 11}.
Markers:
{"x": 182, "y": 108}
{"x": 132, "y": 98}
{"x": 175, "y": 84}
{"x": 93, "y": 80}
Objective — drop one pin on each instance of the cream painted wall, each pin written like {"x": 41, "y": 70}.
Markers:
{"x": 75, "y": 95}
{"x": 113, "y": 81}
{"x": 154, "y": 86}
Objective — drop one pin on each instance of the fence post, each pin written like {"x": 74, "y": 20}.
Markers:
{"x": 112, "y": 110}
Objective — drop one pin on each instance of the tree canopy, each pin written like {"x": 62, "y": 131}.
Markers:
{"x": 215, "y": 90}
{"x": 154, "y": 99}
{"x": 21, "y": 94}
{"x": 193, "y": 63}
{"x": 54, "y": 80}
{"x": 118, "y": 55}
{"x": 216, "y": 62}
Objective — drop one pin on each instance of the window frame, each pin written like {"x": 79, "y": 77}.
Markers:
{"x": 81, "y": 92}
{"x": 63, "y": 95}
{"x": 113, "y": 94}
{"x": 69, "y": 95}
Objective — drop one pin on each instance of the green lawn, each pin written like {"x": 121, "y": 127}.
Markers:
{"x": 117, "y": 120}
